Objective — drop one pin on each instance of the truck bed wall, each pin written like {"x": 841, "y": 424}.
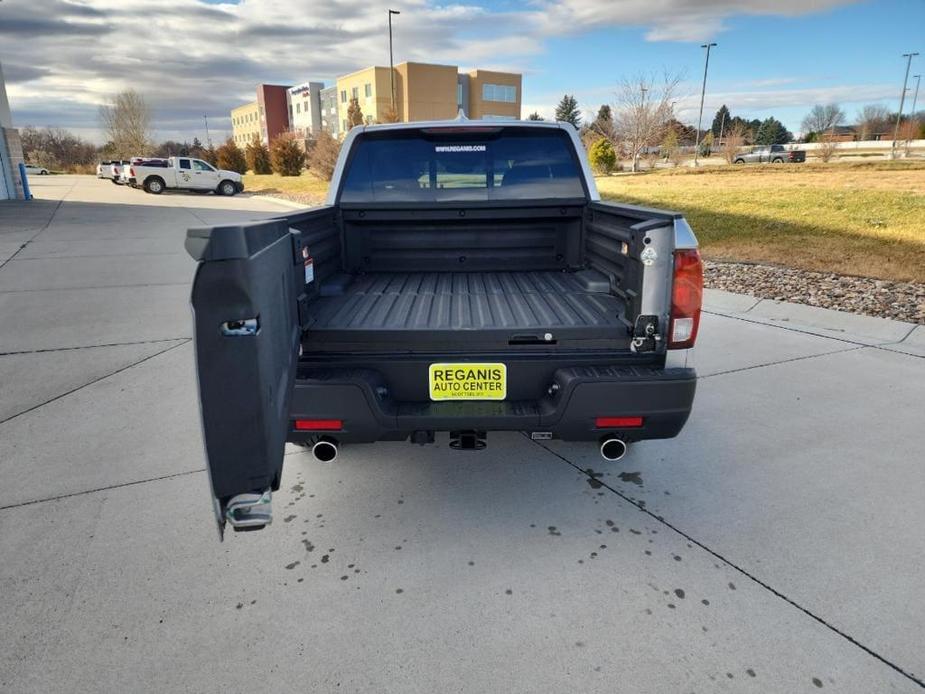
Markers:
{"x": 462, "y": 240}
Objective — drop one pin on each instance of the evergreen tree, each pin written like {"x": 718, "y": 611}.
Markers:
{"x": 230, "y": 158}
{"x": 257, "y": 155}
{"x": 286, "y": 156}
{"x": 535, "y": 116}
{"x": 354, "y": 114}
{"x": 602, "y": 156}
{"x": 567, "y": 111}
{"x": 772, "y": 132}
{"x": 323, "y": 157}
{"x": 721, "y": 121}
{"x": 604, "y": 113}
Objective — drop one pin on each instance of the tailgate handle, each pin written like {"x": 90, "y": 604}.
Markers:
{"x": 238, "y": 328}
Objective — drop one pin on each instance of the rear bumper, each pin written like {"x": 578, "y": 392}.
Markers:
{"x": 360, "y": 398}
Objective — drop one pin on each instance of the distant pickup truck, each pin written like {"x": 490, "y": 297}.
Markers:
{"x": 126, "y": 177}
{"x": 462, "y": 278}
{"x": 775, "y": 154}
{"x": 185, "y": 173}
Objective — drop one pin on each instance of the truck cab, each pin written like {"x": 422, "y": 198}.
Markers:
{"x": 463, "y": 278}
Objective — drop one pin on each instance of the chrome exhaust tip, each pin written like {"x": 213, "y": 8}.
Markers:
{"x": 612, "y": 449}
{"x": 325, "y": 450}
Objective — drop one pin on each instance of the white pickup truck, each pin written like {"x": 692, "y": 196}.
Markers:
{"x": 186, "y": 173}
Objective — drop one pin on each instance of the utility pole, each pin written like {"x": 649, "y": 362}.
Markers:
{"x": 391, "y": 63}
{"x": 915, "y": 95}
{"x": 703, "y": 91}
{"x": 902, "y": 101}
{"x": 722, "y": 128}
{"x": 208, "y": 136}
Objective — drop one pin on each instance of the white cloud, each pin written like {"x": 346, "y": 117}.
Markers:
{"x": 190, "y": 58}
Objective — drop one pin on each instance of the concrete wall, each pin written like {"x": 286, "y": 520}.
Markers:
{"x": 880, "y": 145}
{"x": 427, "y": 92}
{"x": 480, "y": 108}
{"x": 10, "y": 149}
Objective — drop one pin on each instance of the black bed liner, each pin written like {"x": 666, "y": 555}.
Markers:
{"x": 501, "y": 307}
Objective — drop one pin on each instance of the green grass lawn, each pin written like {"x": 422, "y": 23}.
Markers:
{"x": 857, "y": 218}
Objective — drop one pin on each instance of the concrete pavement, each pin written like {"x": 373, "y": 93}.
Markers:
{"x": 775, "y": 546}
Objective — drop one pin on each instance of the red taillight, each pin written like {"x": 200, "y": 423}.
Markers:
{"x": 618, "y": 422}
{"x": 319, "y": 424}
{"x": 131, "y": 172}
{"x": 686, "y": 299}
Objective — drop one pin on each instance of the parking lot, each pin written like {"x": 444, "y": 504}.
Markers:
{"x": 777, "y": 545}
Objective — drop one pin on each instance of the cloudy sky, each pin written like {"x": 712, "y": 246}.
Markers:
{"x": 62, "y": 58}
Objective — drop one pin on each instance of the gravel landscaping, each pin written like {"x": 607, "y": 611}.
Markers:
{"x": 903, "y": 301}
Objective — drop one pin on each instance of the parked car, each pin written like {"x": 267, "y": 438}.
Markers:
{"x": 462, "y": 278}
{"x": 775, "y": 154}
{"x": 127, "y": 173}
{"x": 37, "y": 170}
{"x": 186, "y": 173}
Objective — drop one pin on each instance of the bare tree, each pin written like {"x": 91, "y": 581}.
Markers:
{"x": 822, "y": 118}
{"x": 389, "y": 114}
{"x": 873, "y": 119}
{"x": 828, "y": 143}
{"x": 642, "y": 110}
{"x": 127, "y": 122}
{"x": 733, "y": 140}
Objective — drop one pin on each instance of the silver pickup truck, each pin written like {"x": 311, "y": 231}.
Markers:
{"x": 464, "y": 277}
{"x": 774, "y": 154}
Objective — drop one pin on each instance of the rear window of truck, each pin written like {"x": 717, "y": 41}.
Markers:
{"x": 447, "y": 165}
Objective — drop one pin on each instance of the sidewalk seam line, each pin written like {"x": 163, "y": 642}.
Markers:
{"x": 108, "y": 344}
{"x": 744, "y": 572}
{"x": 85, "y": 385}
{"x": 100, "y": 489}
{"x": 47, "y": 224}
{"x": 785, "y": 361}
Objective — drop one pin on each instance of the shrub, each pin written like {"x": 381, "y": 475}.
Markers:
{"x": 286, "y": 157}
{"x": 602, "y": 156}
{"x": 230, "y": 158}
{"x": 257, "y": 155}
{"x": 323, "y": 157}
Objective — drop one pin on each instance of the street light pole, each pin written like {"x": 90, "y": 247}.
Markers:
{"x": 902, "y": 101}
{"x": 703, "y": 91}
{"x": 391, "y": 64}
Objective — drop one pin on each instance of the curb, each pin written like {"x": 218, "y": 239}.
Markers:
{"x": 291, "y": 204}
{"x": 900, "y": 336}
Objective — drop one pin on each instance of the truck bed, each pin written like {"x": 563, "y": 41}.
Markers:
{"x": 487, "y": 309}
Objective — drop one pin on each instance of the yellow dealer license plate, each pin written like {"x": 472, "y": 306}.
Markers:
{"x": 468, "y": 381}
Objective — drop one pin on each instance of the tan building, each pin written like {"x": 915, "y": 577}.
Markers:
{"x": 494, "y": 95}
{"x": 370, "y": 87}
{"x": 245, "y": 124}
{"x": 429, "y": 92}
{"x": 422, "y": 92}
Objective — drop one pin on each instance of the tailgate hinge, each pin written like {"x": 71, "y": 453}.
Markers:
{"x": 645, "y": 334}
